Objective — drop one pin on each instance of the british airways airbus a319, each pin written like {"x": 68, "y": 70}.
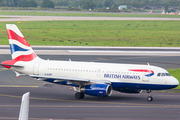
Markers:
{"x": 96, "y": 79}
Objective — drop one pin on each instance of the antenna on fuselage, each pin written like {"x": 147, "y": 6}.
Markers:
{"x": 147, "y": 63}
{"x": 69, "y": 60}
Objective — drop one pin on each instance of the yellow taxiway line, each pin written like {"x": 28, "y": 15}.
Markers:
{"x": 111, "y": 104}
{"x": 17, "y": 86}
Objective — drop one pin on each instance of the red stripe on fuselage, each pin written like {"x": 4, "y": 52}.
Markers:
{"x": 141, "y": 70}
{"x": 14, "y": 36}
{"x": 25, "y": 58}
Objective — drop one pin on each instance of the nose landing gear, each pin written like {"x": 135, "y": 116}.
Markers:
{"x": 149, "y": 98}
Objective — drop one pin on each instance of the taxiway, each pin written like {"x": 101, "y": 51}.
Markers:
{"x": 49, "y": 101}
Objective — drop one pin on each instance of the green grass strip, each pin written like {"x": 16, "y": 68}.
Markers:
{"x": 175, "y": 73}
{"x": 98, "y": 33}
{"x": 36, "y": 13}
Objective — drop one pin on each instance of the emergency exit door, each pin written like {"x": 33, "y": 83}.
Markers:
{"x": 36, "y": 68}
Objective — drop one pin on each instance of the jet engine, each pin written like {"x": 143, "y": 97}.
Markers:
{"x": 101, "y": 90}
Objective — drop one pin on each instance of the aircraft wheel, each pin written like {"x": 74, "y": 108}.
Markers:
{"x": 82, "y": 95}
{"x": 150, "y": 98}
{"x": 79, "y": 95}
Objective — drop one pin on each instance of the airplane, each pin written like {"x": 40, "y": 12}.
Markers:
{"x": 24, "y": 110}
{"x": 95, "y": 79}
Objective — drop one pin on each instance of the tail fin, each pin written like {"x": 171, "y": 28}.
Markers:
{"x": 19, "y": 46}
{"x": 20, "y": 49}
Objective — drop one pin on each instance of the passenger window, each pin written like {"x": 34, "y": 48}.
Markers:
{"x": 159, "y": 74}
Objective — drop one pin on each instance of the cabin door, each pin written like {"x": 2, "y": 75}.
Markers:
{"x": 36, "y": 68}
{"x": 98, "y": 72}
{"x": 146, "y": 73}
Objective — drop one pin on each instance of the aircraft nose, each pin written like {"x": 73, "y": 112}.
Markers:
{"x": 174, "y": 81}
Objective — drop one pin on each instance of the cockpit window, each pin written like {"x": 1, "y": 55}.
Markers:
{"x": 167, "y": 74}
{"x": 159, "y": 74}
{"x": 163, "y": 74}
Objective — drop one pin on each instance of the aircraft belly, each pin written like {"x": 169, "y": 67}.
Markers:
{"x": 141, "y": 86}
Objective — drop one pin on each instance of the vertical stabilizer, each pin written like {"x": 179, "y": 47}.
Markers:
{"x": 20, "y": 49}
{"x": 24, "y": 111}
{"x": 19, "y": 46}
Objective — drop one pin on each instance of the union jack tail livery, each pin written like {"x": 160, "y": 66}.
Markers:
{"x": 20, "y": 49}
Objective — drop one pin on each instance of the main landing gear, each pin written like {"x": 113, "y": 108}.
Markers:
{"x": 79, "y": 95}
{"x": 149, "y": 98}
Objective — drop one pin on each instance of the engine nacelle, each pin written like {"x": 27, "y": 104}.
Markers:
{"x": 101, "y": 90}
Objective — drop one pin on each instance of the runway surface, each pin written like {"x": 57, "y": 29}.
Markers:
{"x": 88, "y": 50}
{"x": 47, "y": 18}
{"x": 49, "y": 101}
{"x": 58, "y": 102}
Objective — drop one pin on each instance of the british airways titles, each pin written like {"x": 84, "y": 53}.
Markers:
{"x": 117, "y": 76}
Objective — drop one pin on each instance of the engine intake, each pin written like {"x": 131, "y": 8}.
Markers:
{"x": 101, "y": 90}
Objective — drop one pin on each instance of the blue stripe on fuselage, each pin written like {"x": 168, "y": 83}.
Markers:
{"x": 117, "y": 85}
{"x": 120, "y": 85}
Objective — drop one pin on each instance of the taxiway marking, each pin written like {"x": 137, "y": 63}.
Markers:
{"x": 17, "y": 86}
{"x": 111, "y": 103}
{"x": 2, "y": 69}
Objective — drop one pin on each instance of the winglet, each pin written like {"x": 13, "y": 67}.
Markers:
{"x": 24, "y": 111}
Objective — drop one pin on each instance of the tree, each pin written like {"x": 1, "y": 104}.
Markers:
{"x": 47, "y": 3}
{"x": 99, "y": 5}
{"x": 16, "y": 2}
{"x": 24, "y": 3}
{"x": 9, "y": 3}
{"x": 115, "y": 6}
{"x": 88, "y": 5}
{"x": 107, "y": 3}
{"x": 166, "y": 9}
{"x": 81, "y": 2}
{"x": 1, "y": 3}
{"x": 32, "y": 3}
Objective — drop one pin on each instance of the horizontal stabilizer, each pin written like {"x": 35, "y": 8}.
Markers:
{"x": 12, "y": 65}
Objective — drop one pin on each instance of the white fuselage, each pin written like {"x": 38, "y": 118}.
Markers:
{"x": 115, "y": 73}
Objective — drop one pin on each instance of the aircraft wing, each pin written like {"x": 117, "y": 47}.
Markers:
{"x": 73, "y": 80}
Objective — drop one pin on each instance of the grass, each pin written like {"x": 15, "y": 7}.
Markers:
{"x": 98, "y": 33}
{"x": 175, "y": 73}
{"x": 36, "y": 13}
